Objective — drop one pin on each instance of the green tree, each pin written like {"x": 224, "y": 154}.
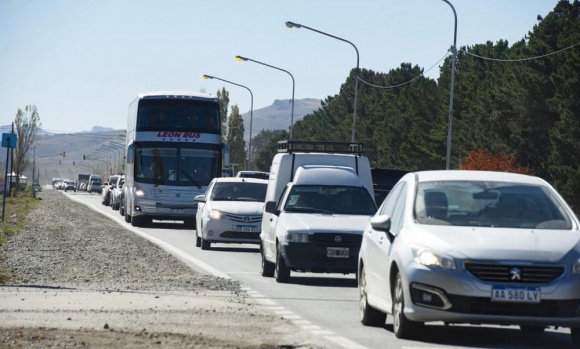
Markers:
{"x": 224, "y": 100}
{"x": 236, "y": 138}
{"x": 263, "y": 158}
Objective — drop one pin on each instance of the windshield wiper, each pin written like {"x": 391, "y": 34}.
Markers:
{"x": 191, "y": 179}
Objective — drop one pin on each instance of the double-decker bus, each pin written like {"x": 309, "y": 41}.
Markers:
{"x": 173, "y": 150}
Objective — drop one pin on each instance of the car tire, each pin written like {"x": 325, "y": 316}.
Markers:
{"x": 205, "y": 245}
{"x": 121, "y": 210}
{"x": 530, "y": 329}
{"x": 197, "y": 240}
{"x": 137, "y": 221}
{"x": 369, "y": 316}
{"x": 575, "y": 333}
{"x": 268, "y": 268}
{"x": 402, "y": 327}
{"x": 282, "y": 272}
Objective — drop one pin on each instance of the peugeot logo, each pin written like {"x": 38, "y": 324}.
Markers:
{"x": 246, "y": 219}
{"x": 178, "y": 194}
{"x": 515, "y": 274}
{"x": 337, "y": 239}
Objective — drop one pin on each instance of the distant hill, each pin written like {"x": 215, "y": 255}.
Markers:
{"x": 277, "y": 116}
{"x": 95, "y": 129}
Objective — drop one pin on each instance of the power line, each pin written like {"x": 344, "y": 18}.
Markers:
{"x": 520, "y": 59}
{"x": 407, "y": 82}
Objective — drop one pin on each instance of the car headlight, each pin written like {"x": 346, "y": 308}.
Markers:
{"x": 140, "y": 192}
{"x": 432, "y": 259}
{"x": 576, "y": 267}
{"x": 216, "y": 214}
{"x": 296, "y": 237}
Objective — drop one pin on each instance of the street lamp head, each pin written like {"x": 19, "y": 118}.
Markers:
{"x": 207, "y": 77}
{"x": 240, "y": 58}
{"x": 293, "y": 25}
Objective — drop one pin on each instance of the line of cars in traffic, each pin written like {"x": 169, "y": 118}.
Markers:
{"x": 449, "y": 246}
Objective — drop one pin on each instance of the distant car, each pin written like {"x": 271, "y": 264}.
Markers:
{"x": 69, "y": 185}
{"x": 94, "y": 186}
{"x": 116, "y": 192}
{"x": 253, "y": 174}
{"x": 108, "y": 188}
{"x": 471, "y": 247}
{"x": 230, "y": 211}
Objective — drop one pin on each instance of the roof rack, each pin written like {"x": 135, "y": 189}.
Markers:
{"x": 320, "y": 147}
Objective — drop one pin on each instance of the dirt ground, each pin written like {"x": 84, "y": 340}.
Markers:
{"x": 82, "y": 281}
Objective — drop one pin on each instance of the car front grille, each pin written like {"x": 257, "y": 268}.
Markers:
{"x": 485, "y": 306}
{"x": 337, "y": 239}
{"x": 514, "y": 273}
{"x": 173, "y": 195}
{"x": 244, "y": 218}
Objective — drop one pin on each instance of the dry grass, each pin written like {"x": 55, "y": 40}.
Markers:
{"x": 16, "y": 210}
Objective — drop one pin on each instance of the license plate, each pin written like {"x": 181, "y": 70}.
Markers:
{"x": 337, "y": 252}
{"x": 246, "y": 228}
{"x": 177, "y": 210}
{"x": 515, "y": 294}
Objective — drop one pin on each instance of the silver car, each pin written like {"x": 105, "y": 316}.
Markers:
{"x": 471, "y": 247}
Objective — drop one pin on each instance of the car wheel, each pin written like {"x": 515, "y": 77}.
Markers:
{"x": 532, "y": 329}
{"x": 268, "y": 268}
{"x": 369, "y": 316}
{"x": 403, "y": 327}
{"x": 205, "y": 245}
{"x": 137, "y": 221}
{"x": 282, "y": 271}
{"x": 121, "y": 210}
{"x": 197, "y": 240}
{"x": 575, "y": 332}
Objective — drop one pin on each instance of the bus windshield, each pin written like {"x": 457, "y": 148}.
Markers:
{"x": 176, "y": 164}
{"x": 172, "y": 114}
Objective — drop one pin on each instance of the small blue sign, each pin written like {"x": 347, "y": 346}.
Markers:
{"x": 9, "y": 140}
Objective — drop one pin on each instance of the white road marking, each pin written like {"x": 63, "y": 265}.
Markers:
{"x": 345, "y": 343}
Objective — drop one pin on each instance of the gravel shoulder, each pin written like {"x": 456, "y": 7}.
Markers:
{"x": 81, "y": 280}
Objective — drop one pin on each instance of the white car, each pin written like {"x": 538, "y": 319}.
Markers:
{"x": 230, "y": 211}
{"x": 116, "y": 191}
{"x": 471, "y": 247}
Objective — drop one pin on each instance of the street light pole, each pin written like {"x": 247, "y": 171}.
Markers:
{"x": 251, "y": 114}
{"x": 453, "y": 58}
{"x": 296, "y": 25}
{"x": 240, "y": 58}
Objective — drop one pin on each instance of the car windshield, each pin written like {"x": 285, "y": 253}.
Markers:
{"x": 330, "y": 199}
{"x": 489, "y": 204}
{"x": 239, "y": 191}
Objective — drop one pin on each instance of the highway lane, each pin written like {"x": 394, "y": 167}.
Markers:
{"x": 326, "y": 304}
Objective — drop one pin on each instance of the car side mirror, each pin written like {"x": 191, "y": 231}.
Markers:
{"x": 271, "y": 207}
{"x": 199, "y": 198}
{"x": 382, "y": 223}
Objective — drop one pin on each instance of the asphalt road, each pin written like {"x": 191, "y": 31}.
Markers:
{"x": 325, "y": 304}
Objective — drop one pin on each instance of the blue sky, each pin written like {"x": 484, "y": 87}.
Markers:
{"x": 83, "y": 61}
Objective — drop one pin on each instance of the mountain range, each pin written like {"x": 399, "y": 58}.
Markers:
{"x": 277, "y": 116}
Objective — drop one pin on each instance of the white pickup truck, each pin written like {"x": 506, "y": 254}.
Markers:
{"x": 317, "y": 207}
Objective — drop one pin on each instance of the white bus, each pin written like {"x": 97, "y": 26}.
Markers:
{"x": 173, "y": 150}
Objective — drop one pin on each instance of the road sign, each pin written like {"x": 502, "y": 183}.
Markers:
{"x": 9, "y": 140}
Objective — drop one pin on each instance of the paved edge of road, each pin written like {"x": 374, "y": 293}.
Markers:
{"x": 176, "y": 252}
